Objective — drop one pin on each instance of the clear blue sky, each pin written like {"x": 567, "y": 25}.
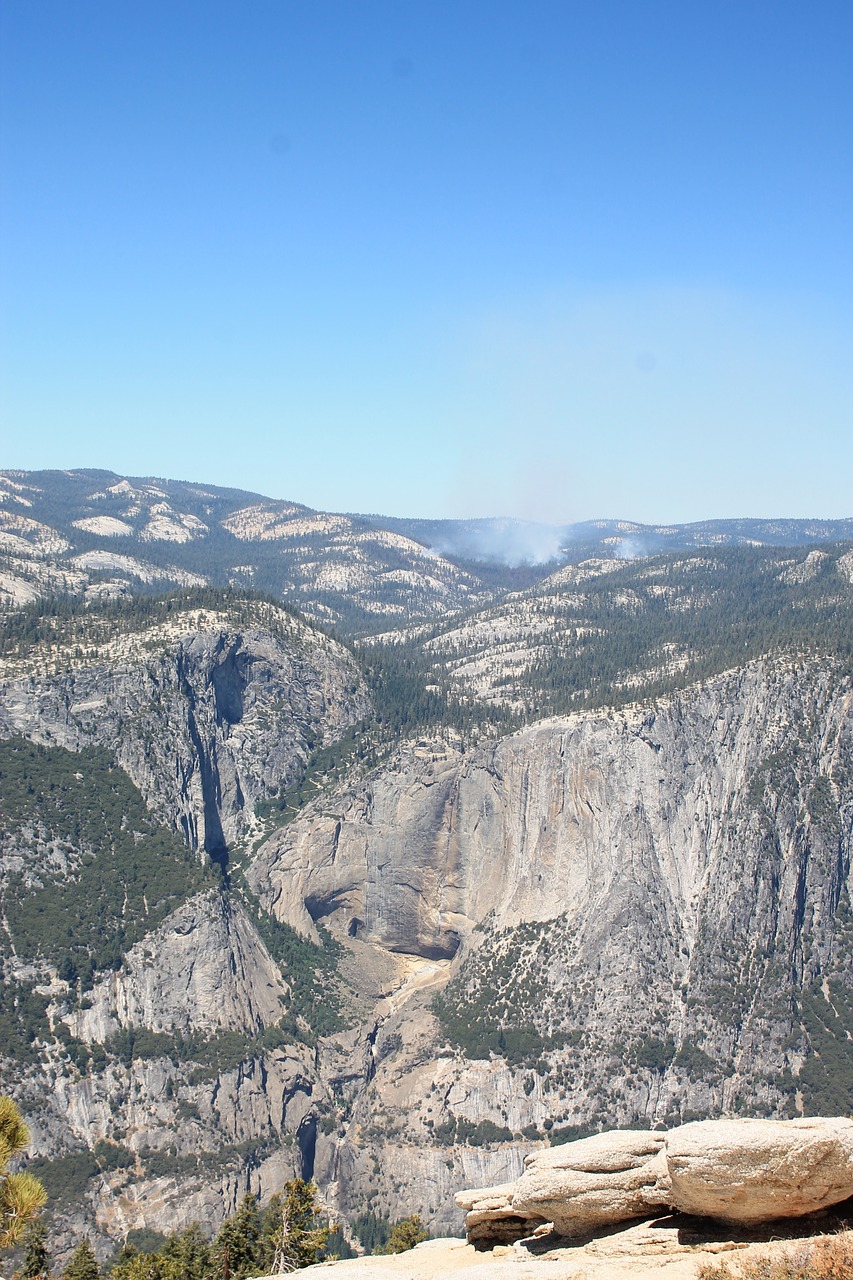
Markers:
{"x": 435, "y": 257}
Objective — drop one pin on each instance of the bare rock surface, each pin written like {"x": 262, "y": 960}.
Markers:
{"x": 204, "y": 969}
{"x": 581, "y": 1186}
{"x": 597, "y": 1181}
{"x": 746, "y": 1172}
{"x": 491, "y": 1218}
{"x": 754, "y": 1171}
{"x": 640, "y": 1251}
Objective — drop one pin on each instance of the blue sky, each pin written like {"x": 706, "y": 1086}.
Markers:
{"x": 554, "y": 260}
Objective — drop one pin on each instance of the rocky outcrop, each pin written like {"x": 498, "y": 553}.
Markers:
{"x": 596, "y": 1182}
{"x": 753, "y": 1171}
{"x": 748, "y": 1172}
{"x": 490, "y": 1217}
{"x": 207, "y": 712}
{"x": 205, "y": 969}
{"x": 609, "y": 1178}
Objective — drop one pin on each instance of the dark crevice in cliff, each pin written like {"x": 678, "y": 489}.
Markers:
{"x": 229, "y": 685}
{"x": 215, "y": 845}
{"x": 306, "y": 1138}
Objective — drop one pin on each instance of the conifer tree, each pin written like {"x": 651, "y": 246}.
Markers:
{"x": 82, "y": 1265}
{"x": 141, "y": 1266}
{"x": 292, "y": 1235}
{"x": 186, "y": 1255}
{"x": 36, "y": 1257}
{"x": 236, "y": 1247}
{"x": 21, "y": 1195}
{"x": 405, "y": 1234}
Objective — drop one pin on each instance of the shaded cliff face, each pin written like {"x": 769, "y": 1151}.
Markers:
{"x": 207, "y": 711}
{"x": 648, "y": 915}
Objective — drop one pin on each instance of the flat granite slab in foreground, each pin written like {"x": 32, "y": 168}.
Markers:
{"x": 670, "y": 1248}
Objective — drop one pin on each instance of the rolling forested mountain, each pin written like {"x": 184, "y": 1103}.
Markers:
{"x": 382, "y": 851}
{"x": 95, "y": 532}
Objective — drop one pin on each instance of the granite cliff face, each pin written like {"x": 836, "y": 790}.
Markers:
{"x": 206, "y": 709}
{"x": 204, "y": 969}
{"x": 584, "y": 818}
{"x": 617, "y": 917}
{"x": 657, "y": 899}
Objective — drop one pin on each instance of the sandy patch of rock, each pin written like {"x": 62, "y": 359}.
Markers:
{"x": 668, "y": 1248}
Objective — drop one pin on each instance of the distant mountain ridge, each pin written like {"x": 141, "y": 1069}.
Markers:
{"x": 73, "y": 531}
{"x": 514, "y": 541}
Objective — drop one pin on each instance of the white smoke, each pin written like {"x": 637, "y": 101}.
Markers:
{"x": 631, "y": 549}
{"x": 509, "y": 542}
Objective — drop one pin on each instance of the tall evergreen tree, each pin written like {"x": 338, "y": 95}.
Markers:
{"x": 293, "y": 1236}
{"x": 82, "y": 1265}
{"x": 405, "y": 1234}
{"x": 36, "y": 1257}
{"x": 21, "y": 1195}
{"x": 236, "y": 1247}
{"x": 141, "y": 1266}
{"x": 187, "y": 1255}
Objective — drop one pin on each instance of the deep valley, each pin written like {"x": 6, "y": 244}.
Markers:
{"x": 332, "y": 850}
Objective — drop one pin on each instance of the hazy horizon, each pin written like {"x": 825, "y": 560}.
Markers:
{"x": 492, "y": 517}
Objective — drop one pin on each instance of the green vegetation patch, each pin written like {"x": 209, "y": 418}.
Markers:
{"x": 65, "y": 1177}
{"x": 115, "y": 873}
{"x": 486, "y": 1008}
{"x": 359, "y": 748}
{"x": 317, "y": 992}
{"x": 457, "y": 1130}
{"x": 826, "y": 1077}
{"x": 372, "y": 1230}
{"x": 23, "y": 1021}
{"x": 409, "y": 696}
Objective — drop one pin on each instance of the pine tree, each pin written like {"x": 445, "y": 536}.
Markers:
{"x": 36, "y": 1257}
{"x": 292, "y": 1235}
{"x": 21, "y": 1195}
{"x": 82, "y": 1265}
{"x": 405, "y": 1235}
{"x": 237, "y": 1246}
{"x": 186, "y": 1255}
{"x": 141, "y": 1266}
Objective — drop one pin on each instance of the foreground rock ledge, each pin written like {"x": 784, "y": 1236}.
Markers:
{"x": 754, "y": 1171}
{"x": 569, "y": 1215}
{"x": 659, "y": 1250}
{"x": 745, "y": 1172}
{"x": 595, "y": 1182}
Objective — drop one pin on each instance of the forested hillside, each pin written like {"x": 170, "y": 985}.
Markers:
{"x": 92, "y": 533}
{"x": 605, "y": 633}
